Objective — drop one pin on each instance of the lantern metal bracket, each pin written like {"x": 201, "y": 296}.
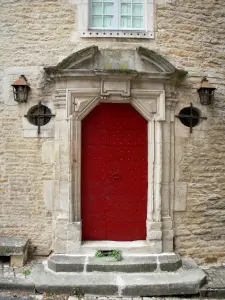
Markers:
{"x": 190, "y": 117}
{"x": 39, "y": 115}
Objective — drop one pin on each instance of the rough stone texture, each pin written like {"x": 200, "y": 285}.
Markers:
{"x": 12, "y": 245}
{"x": 194, "y": 39}
{"x": 60, "y": 263}
{"x": 167, "y": 263}
{"x": 190, "y": 34}
{"x": 129, "y": 264}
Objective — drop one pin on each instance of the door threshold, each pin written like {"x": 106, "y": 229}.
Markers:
{"x": 133, "y": 247}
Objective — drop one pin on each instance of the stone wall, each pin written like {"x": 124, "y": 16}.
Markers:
{"x": 190, "y": 34}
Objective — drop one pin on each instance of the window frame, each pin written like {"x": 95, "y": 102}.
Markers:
{"x": 84, "y": 29}
{"x": 118, "y": 15}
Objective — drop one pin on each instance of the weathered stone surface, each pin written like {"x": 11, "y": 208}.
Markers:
{"x": 191, "y": 36}
{"x": 128, "y": 264}
{"x": 17, "y": 284}
{"x": 125, "y": 284}
{"x": 169, "y": 263}
{"x": 12, "y": 245}
{"x": 16, "y": 248}
{"x": 62, "y": 263}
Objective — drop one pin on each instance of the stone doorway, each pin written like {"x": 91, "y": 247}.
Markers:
{"x": 148, "y": 84}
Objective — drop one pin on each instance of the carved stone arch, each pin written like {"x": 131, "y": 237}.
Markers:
{"x": 142, "y": 78}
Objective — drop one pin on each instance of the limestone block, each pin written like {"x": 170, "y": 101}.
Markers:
{"x": 64, "y": 197}
{"x": 167, "y": 234}
{"x": 180, "y": 196}
{"x": 178, "y": 153}
{"x": 74, "y": 232}
{"x": 73, "y": 247}
{"x": 155, "y": 246}
{"x": 154, "y": 235}
{"x": 64, "y": 130}
{"x": 166, "y": 163}
{"x": 59, "y": 246}
{"x": 48, "y": 152}
{"x": 167, "y": 224}
{"x": 167, "y": 245}
{"x": 169, "y": 263}
{"x": 166, "y": 198}
{"x": 61, "y": 234}
{"x": 49, "y": 194}
{"x": 17, "y": 261}
{"x": 181, "y": 130}
{"x": 153, "y": 226}
{"x": 74, "y": 226}
{"x": 115, "y": 87}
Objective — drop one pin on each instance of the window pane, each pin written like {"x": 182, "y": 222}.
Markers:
{"x": 137, "y": 1}
{"x": 96, "y": 21}
{"x": 107, "y": 21}
{"x": 125, "y": 9}
{"x": 125, "y": 22}
{"x": 125, "y": 1}
{"x": 137, "y": 10}
{"x": 137, "y": 22}
{"x": 108, "y": 8}
{"x": 96, "y": 8}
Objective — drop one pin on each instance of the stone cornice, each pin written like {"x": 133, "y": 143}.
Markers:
{"x": 131, "y": 74}
{"x": 73, "y": 66}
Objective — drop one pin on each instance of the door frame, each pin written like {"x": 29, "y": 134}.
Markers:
{"x": 151, "y": 84}
{"x": 141, "y": 101}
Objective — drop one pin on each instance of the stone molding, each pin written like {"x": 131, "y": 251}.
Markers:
{"x": 59, "y": 98}
{"x": 77, "y": 92}
{"x": 82, "y": 106}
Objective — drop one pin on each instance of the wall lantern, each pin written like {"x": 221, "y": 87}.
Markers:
{"x": 206, "y": 92}
{"x": 21, "y": 89}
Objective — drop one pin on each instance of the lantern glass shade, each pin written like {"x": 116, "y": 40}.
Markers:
{"x": 21, "y": 89}
{"x": 206, "y": 92}
{"x": 206, "y": 96}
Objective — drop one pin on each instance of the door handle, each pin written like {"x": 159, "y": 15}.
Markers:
{"x": 115, "y": 176}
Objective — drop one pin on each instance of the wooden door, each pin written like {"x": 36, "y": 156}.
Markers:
{"x": 114, "y": 174}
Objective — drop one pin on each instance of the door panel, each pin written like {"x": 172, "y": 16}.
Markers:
{"x": 114, "y": 174}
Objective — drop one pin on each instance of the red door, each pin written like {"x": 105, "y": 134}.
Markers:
{"x": 114, "y": 174}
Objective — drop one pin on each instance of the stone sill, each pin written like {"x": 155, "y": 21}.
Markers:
{"x": 116, "y": 34}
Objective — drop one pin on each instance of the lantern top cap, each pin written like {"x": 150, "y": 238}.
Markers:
{"x": 21, "y": 81}
{"x": 205, "y": 84}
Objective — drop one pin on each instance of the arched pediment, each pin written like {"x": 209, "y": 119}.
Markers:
{"x": 95, "y": 61}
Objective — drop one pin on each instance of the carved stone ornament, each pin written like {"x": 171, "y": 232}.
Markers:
{"x": 147, "y": 81}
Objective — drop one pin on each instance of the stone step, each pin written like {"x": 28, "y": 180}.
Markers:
{"x": 131, "y": 247}
{"x": 185, "y": 281}
{"x": 16, "y": 248}
{"x": 128, "y": 264}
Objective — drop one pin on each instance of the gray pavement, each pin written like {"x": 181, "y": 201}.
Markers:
{"x": 215, "y": 285}
{"x": 23, "y": 296}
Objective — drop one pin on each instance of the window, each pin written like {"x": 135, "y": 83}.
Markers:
{"x": 38, "y": 121}
{"x": 116, "y": 18}
{"x": 117, "y": 14}
{"x": 39, "y": 115}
